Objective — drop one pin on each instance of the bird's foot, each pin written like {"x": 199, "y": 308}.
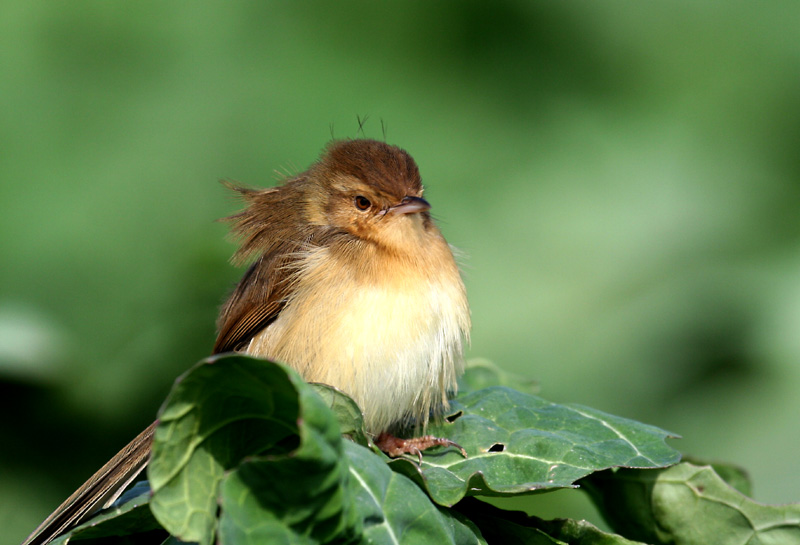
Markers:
{"x": 394, "y": 446}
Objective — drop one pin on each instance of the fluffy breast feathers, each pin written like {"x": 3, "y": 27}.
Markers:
{"x": 391, "y": 336}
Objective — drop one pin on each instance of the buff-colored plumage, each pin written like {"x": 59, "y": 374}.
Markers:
{"x": 370, "y": 301}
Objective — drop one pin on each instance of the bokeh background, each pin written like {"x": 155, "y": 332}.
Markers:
{"x": 623, "y": 177}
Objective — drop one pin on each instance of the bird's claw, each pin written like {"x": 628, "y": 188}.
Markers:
{"x": 395, "y": 446}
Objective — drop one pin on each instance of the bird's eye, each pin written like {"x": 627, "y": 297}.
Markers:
{"x": 362, "y": 203}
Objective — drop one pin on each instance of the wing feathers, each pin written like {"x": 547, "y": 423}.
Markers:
{"x": 241, "y": 329}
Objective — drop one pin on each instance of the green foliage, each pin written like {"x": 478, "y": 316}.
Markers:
{"x": 247, "y": 452}
{"x": 519, "y": 444}
{"x": 259, "y": 442}
{"x": 687, "y": 503}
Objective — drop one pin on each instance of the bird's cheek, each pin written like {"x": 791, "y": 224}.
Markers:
{"x": 343, "y": 220}
{"x": 361, "y": 228}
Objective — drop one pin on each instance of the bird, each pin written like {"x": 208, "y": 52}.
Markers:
{"x": 351, "y": 283}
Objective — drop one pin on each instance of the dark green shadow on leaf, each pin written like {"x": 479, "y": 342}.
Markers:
{"x": 501, "y": 526}
{"x": 129, "y": 522}
{"x": 298, "y": 497}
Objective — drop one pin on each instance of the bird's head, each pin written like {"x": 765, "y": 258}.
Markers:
{"x": 372, "y": 191}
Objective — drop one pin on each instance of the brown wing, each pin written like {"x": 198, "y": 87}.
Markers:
{"x": 275, "y": 230}
{"x": 255, "y": 303}
{"x": 240, "y": 329}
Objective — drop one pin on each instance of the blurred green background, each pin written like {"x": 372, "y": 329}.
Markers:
{"x": 623, "y": 177}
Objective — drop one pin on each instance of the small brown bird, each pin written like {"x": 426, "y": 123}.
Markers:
{"x": 352, "y": 285}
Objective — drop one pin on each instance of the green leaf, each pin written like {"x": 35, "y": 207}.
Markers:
{"x": 579, "y": 532}
{"x": 395, "y": 510}
{"x": 347, "y": 412}
{"x": 519, "y": 443}
{"x": 247, "y": 452}
{"x": 299, "y": 497}
{"x": 222, "y": 415}
{"x": 732, "y": 474}
{"x": 130, "y": 517}
{"x": 689, "y": 504}
{"x": 501, "y": 526}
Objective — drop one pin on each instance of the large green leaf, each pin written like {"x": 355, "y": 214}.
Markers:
{"x": 689, "y": 505}
{"x": 395, "y": 510}
{"x": 519, "y": 443}
{"x": 302, "y": 484}
{"x": 243, "y": 434}
{"x": 299, "y": 497}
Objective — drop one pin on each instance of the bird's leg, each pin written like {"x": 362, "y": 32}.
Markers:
{"x": 394, "y": 446}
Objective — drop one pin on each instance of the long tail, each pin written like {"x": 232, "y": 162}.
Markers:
{"x": 100, "y": 491}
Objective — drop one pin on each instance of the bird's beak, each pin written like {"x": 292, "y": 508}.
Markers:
{"x": 410, "y": 205}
